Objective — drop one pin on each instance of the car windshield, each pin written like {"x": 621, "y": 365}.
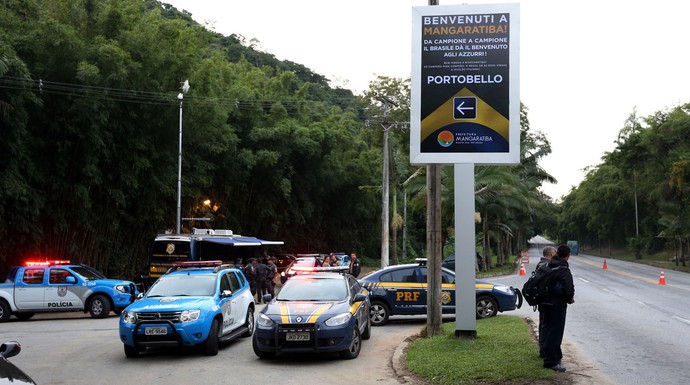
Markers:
{"x": 87, "y": 272}
{"x": 183, "y": 285}
{"x": 313, "y": 289}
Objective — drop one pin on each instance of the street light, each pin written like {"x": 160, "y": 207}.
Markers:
{"x": 180, "y": 97}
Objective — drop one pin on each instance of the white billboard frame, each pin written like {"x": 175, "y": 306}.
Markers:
{"x": 477, "y": 156}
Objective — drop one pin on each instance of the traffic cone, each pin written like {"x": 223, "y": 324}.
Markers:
{"x": 522, "y": 268}
{"x": 662, "y": 279}
{"x": 604, "y": 267}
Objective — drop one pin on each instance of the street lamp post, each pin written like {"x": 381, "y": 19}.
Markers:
{"x": 180, "y": 96}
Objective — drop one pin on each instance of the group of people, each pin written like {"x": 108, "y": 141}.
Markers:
{"x": 261, "y": 275}
{"x": 552, "y": 314}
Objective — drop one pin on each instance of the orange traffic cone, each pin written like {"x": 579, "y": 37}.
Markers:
{"x": 604, "y": 267}
{"x": 662, "y": 279}
{"x": 522, "y": 268}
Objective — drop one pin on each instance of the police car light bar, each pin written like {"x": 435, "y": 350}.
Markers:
{"x": 198, "y": 263}
{"x": 336, "y": 269}
{"x": 47, "y": 263}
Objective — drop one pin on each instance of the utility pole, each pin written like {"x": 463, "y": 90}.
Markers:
{"x": 385, "y": 188}
{"x": 433, "y": 245}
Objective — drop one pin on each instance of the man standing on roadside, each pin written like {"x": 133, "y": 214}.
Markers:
{"x": 554, "y": 312}
{"x": 547, "y": 253}
{"x": 355, "y": 265}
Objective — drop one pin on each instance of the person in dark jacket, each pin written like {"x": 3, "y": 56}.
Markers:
{"x": 261, "y": 287}
{"x": 554, "y": 312}
{"x": 251, "y": 274}
{"x": 355, "y": 265}
{"x": 547, "y": 253}
{"x": 271, "y": 271}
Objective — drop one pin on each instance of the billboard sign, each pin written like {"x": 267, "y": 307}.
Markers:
{"x": 465, "y": 84}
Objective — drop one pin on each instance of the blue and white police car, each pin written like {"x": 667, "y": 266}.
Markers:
{"x": 195, "y": 303}
{"x": 316, "y": 311}
{"x": 402, "y": 290}
{"x": 58, "y": 286}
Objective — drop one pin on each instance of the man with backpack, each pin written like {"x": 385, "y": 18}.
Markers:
{"x": 552, "y": 313}
{"x": 547, "y": 254}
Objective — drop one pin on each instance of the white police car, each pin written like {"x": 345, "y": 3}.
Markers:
{"x": 196, "y": 303}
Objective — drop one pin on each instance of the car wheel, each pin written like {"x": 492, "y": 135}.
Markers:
{"x": 131, "y": 351}
{"x": 486, "y": 307}
{"x": 211, "y": 343}
{"x": 249, "y": 323}
{"x": 5, "y": 311}
{"x": 24, "y": 316}
{"x": 379, "y": 313}
{"x": 355, "y": 345}
{"x": 366, "y": 334}
{"x": 99, "y": 306}
{"x": 260, "y": 353}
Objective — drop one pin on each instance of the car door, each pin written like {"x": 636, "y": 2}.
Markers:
{"x": 447, "y": 289}
{"x": 62, "y": 292}
{"x": 404, "y": 291}
{"x": 28, "y": 289}
{"x": 238, "y": 301}
{"x": 225, "y": 304}
{"x": 362, "y": 307}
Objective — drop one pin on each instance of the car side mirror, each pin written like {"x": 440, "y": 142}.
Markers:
{"x": 70, "y": 279}
{"x": 10, "y": 349}
{"x": 360, "y": 298}
{"x": 226, "y": 293}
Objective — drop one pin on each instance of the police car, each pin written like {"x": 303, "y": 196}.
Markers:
{"x": 59, "y": 286}
{"x": 315, "y": 311}
{"x": 195, "y": 303}
{"x": 402, "y": 290}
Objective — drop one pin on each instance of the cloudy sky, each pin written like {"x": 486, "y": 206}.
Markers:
{"x": 585, "y": 65}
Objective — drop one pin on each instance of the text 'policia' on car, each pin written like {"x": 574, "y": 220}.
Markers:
{"x": 316, "y": 311}
{"x": 195, "y": 303}
{"x": 402, "y": 290}
{"x": 60, "y": 286}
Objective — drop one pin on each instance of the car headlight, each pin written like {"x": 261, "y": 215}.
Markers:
{"x": 504, "y": 289}
{"x": 338, "y": 320}
{"x": 189, "y": 315}
{"x": 264, "y": 321}
{"x": 129, "y": 317}
{"x": 121, "y": 288}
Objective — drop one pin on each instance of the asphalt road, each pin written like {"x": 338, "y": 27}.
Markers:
{"x": 633, "y": 329}
{"x": 72, "y": 348}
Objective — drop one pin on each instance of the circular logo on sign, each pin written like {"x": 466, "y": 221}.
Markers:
{"x": 445, "y": 138}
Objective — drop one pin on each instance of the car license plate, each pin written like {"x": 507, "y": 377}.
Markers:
{"x": 297, "y": 337}
{"x": 156, "y": 331}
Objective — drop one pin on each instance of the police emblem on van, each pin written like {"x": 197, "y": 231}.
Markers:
{"x": 170, "y": 248}
{"x": 62, "y": 291}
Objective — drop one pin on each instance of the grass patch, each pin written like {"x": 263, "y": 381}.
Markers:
{"x": 504, "y": 352}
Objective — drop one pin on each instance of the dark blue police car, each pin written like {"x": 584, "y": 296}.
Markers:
{"x": 402, "y": 290}
{"x": 315, "y": 312}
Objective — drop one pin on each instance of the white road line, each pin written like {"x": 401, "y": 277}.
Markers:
{"x": 681, "y": 319}
{"x": 641, "y": 303}
{"x": 583, "y": 280}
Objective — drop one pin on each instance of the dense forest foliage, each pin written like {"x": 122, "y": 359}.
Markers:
{"x": 89, "y": 120}
{"x": 639, "y": 195}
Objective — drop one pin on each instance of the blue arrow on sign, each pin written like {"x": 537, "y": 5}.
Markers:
{"x": 465, "y": 107}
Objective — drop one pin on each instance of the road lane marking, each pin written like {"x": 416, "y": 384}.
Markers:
{"x": 681, "y": 319}
{"x": 583, "y": 280}
{"x": 614, "y": 271}
{"x": 641, "y": 303}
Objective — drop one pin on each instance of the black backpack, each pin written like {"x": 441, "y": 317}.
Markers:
{"x": 539, "y": 287}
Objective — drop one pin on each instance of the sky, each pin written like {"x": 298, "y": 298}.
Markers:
{"x": 585, "y": 66}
